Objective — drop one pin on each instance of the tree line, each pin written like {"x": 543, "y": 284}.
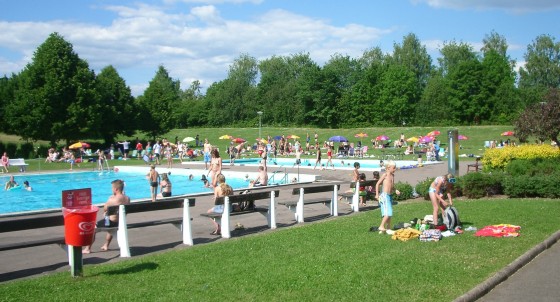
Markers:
{"x": 58, "y": 97}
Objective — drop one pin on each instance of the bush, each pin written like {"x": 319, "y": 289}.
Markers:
{"x": 533, "y": 167}
{"x": 500, "y": 158}
{"x": 405, "y": 189}
{"x": 11, "y": 149}
{"x": 478, "y": 185}
{"x": 532, "y": 186}
{"x": 422, "y": 187}
{"x": 26, "y": 151}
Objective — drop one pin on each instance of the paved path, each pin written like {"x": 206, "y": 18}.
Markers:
{"x": 537, "y": 281}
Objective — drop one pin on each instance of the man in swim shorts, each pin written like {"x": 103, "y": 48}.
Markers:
{"x": 207, "y": 157}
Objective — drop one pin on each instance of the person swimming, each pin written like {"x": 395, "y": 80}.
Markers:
{"x": 26, "y": 186}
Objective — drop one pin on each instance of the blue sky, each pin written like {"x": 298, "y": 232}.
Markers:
{"x": 199, "y": 39}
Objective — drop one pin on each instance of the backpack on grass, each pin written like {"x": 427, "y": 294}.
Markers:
{"x": 451, "y": 218}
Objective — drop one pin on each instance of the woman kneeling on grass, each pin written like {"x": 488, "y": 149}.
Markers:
{"x": 440, "y": 185}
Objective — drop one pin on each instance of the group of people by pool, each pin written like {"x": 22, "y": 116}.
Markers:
{"x": 384, "y": 190}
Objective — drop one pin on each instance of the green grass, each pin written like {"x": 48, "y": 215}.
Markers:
{"x": 336, "y": 259}
{"x": 474, "y": 145}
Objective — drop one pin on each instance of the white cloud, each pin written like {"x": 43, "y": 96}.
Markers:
{"x": 514, "y": 6}
{"x": 198, "y": 44}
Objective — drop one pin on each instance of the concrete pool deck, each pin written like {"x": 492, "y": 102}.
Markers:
{"x": 536, "y": 279}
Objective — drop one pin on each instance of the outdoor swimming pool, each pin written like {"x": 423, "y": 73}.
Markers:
{"x": 346, "y": 163}
{"x": 47, "y": 188}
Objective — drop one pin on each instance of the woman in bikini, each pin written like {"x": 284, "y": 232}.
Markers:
{"x": 438, "y": 186}
{"x": 215, "y": 166}
{"x": 165, "y": 185}
{"x": 153, "y": 179}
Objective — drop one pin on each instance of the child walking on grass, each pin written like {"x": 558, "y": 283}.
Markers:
{"x": 386, "y": 197}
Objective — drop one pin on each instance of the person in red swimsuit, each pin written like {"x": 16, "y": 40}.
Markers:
{"x": 329, "y": 158}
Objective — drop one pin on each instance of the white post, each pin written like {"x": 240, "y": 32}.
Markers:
{"x": 187, "y": 228}
{"x": 122, "y": 233}
{"x": 299, "y": 207}
{"x": 334, "y": 202}
{"x": 226, "y": 233}
{"x": 356, "y": 198}
{"x": 272, "y": 211}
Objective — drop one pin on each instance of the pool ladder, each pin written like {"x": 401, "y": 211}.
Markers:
{"x": 284, "y": 176}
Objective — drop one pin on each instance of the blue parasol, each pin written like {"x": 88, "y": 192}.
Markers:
{"x": 338, "y": 139}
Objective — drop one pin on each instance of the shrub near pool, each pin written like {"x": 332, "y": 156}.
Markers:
{"x": 499, "y": 158}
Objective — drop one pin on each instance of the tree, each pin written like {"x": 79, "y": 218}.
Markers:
{"x": 541, "y": 119}
{"x": 7, "y": 95}
{"x": 158, "y": 103}
{"x": 542, "y": 67}
{"x": 118, "y": 110}
{"x": 413, "y": 55}
{"x": 55, "y": 98}
{"x": 233, "y": 99}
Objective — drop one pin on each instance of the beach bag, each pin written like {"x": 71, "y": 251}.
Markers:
{"x": 451, "y": 218}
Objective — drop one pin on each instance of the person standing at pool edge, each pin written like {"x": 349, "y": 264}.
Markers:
{"x": 153, "y": 179}
{"x": 116, "y": 199}
{"x": 207, "y": 149}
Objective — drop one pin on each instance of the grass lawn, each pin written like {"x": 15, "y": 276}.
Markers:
{"x": 477, "y": 135}
{"x": 336, "y": 259}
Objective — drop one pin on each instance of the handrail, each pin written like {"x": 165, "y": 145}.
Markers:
{"x": 284, "y": 177}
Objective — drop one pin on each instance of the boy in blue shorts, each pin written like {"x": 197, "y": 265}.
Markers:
{"x": 386, "y": 197}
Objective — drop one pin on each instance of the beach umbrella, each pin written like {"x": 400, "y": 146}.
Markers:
{"x": 238, "y": 140}
{"x": 278, "y": 137}
{"x": 434, "y": 133}
{"x": 361, "y": 134}
{"x": 225, "y": 137}
{"x": 508, "y": 133}
{"x": 413, "y": 139}
{"x": 462, "y": 137}
{"x": 293, "y": 136}
{"x": 262, "y": 140}
{"x": 426, "y": 139}
{"x": 188, "y": 139}
{"x": 79, "y": 145}
{"x": 382, "y": 138}
{"x": 338, "y": 139}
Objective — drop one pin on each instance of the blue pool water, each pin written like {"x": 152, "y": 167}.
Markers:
{"x": 347, "y": 163}
{"x": 47, "y": 188}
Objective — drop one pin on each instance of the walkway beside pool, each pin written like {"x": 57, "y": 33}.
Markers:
{"x": 536, "y": 281}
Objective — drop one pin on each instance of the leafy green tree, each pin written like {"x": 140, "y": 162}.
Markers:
{"x": 433, "y": 107}
{"x": 7, "y": 95}
{"x": 541, "y": 119}
{"x": 192, "y": 111}
{"x": 55, "y": 98}
{"x": 118, "y": 110}
{"x": 158, "y": 103}
{"x": 542, "y": 67}
{"x": 340, "y": 74}
{"x": 396, "y": 100}
{"x": 233, "y": 100}
{"x": 357, "y": 106}
{"x": 413, "y": 55}
{"x": 276, "y": 87}
{"x": 452, "y": 54}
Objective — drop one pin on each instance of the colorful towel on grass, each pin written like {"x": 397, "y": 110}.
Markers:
{"x": 430, "y": 235}
{"x": 405, "y": 234}
{"x": 499, "y": 230}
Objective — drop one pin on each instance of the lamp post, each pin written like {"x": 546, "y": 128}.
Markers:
{"x": 260, "y": 122}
